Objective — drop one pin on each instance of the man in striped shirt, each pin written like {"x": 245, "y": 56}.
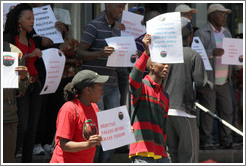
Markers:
{"x": 219, "y": 99}
{"x": 94, "y": 52}
{"x": 150, "y": 106}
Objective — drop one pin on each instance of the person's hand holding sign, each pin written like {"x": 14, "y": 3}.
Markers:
{"x": 94, "y": 140}
{"x": 218, "y": 52}
{"x": 107, "y": 51}
{"x": 37, "y": 52}
{"x": 147, "y": 40}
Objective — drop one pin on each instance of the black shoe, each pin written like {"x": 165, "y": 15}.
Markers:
{"x": 208, "y": 146}
{"x": 226, "y": 146}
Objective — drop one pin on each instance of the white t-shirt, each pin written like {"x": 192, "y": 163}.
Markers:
{"x": 175, "y": 112}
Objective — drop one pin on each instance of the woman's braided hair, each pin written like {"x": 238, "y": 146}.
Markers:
{"x": 70, "y": 92}
{"x": 12, "y": 24}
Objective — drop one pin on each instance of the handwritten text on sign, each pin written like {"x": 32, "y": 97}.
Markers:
{"x": 199, "y": 48}
{"x": 133, "y": 24}
{"x": 54, "y": 62}
{"x": 114, "y": 128}
{"x": 166, "y": 38}
{"x": 125, "y": 51}
{"x": 233, "y": 51}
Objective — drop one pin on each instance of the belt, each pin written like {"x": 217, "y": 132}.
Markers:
{"x": 33, "y": 79}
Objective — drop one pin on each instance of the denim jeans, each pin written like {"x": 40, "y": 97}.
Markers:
{"x": 110, "y": 99}
{"x": 140, "y": 159}
{"x": 29, "y": 108}
{"x": 123, "y": 82}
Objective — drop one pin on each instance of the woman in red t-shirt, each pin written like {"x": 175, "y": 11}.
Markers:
{"x": 76, "y": 126}
{"x": 18, "y": 28}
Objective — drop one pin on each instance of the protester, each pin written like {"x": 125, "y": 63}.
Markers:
{"x": 10, "y": 117}
{"x": 47, "y": 121}
{"x": 182, "y": 129}
{"x": 185, "y": 11}
{"x": 219, "y": 99}
{"x": 94, "y": 52}
{"x": 49, "y": 110}
{"x": 150, "y": 106}
{"x": 17, "y": 30}
{"x": 77, "y": 128}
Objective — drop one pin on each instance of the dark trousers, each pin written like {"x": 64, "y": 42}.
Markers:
{"x": 29, "y": 107}
{"x": 123, "y": 82}
{"x": 9, "y": 142}
{"x": 50, "y": 108}
{"x": 182, "y": 139}
{"x": 220, "y": 100}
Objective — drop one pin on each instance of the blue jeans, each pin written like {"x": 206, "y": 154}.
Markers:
{"x": 140, "y": 159}
{"x": 123, "y": 82}
{"x": 110, "y": 99}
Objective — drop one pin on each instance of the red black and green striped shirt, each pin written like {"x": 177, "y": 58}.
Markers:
{"x": 149, "y": 105}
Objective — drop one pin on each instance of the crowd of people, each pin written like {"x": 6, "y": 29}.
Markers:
{"x": 162, "y": 97}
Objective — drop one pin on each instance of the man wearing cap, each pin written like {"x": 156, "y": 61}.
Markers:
{"x": 185, "y": 11}
{"x": 76, "y": 127}
{"x": 219, "y": 99}
{"x": 182, "y": 129}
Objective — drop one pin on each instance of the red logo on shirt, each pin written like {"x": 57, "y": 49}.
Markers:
{"x": 89, "y": 128}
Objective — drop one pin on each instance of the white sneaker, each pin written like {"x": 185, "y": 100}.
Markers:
{"x": 38, "y": 150}
{"x": 47, "y": 148}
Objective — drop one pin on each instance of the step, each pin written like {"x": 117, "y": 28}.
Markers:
{"x": 218, "y": 155}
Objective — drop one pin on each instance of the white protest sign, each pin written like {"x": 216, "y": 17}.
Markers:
{"x": 62, "y": 15}
{"x": 115, "y": 128}
{"x": 44, "y": 24}
{"x": 6, "y": 8}
{"x": 233, "y": 51}
{"x": 9, "y": 76}
{"x": 54, "y": 62}
{"x": 199, "y": 48}
{"x": 125, "y": 51}
{"x": 133, "y": 24}
{"x": 166, "y": 38}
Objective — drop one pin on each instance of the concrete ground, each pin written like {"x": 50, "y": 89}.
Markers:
{"x": 121, "y": 156}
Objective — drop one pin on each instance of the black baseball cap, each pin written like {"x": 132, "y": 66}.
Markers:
{"x": 86, "y": 78}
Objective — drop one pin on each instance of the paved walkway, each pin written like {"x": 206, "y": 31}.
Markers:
{"x": 219, "y": 156}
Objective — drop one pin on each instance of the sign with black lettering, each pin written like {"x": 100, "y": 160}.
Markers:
{"x": 115, "y": 128}
{"x": 44, "y": 24}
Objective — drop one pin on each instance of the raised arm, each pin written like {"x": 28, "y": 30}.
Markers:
{"x": 136, "y": 75}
